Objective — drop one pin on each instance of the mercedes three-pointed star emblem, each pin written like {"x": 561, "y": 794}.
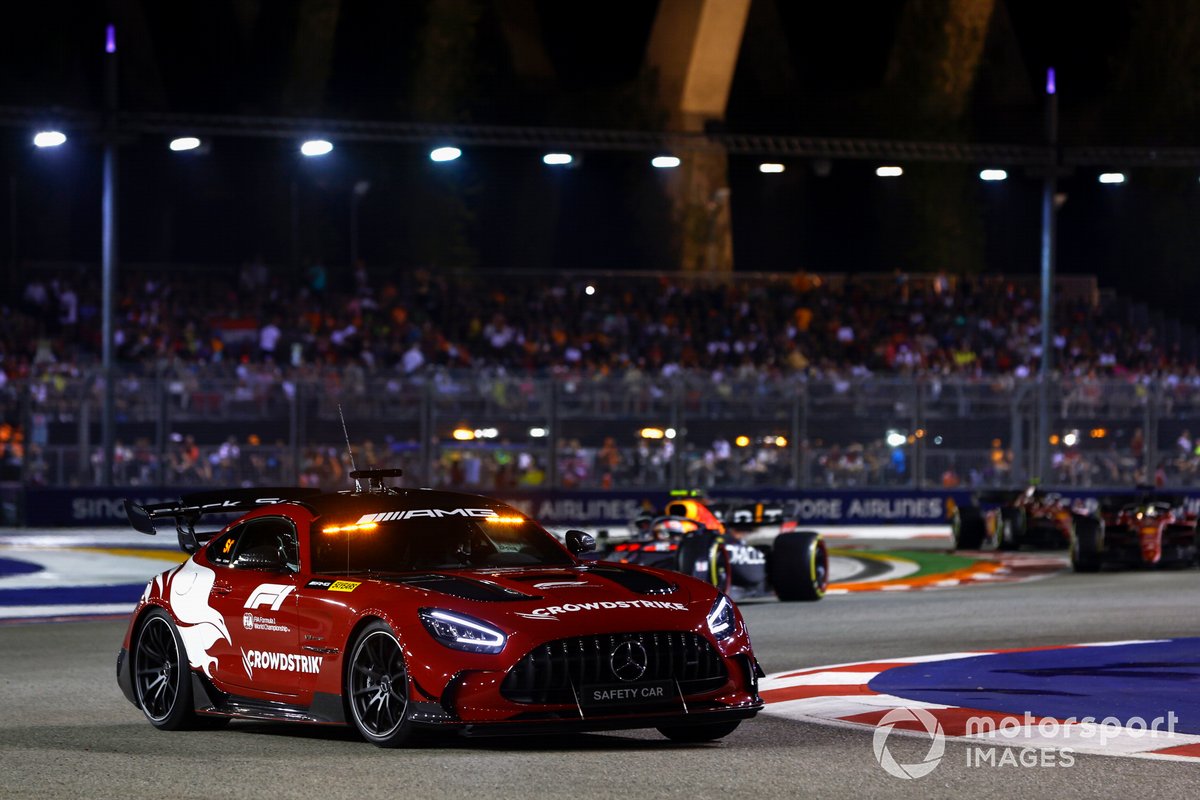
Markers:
{"x": 628, "y": 660}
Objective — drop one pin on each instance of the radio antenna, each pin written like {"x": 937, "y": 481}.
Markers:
{"x": 349, "y": 449}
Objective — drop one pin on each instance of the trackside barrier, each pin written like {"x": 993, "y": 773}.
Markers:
{"x": 99, "y": 506}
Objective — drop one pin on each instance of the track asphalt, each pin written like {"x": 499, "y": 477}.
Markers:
{"x": 66, "y": 731}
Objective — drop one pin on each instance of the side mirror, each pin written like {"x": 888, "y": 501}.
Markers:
{"x": 580, "y": 542}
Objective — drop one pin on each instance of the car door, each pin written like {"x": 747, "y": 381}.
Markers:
{"x": 255, "y": 593}
{"x": 324, "y": 605}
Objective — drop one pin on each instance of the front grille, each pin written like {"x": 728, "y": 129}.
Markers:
{"x": 552, "y": 672}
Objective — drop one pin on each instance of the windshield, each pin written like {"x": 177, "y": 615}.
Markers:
{"x": 447, "y": 543}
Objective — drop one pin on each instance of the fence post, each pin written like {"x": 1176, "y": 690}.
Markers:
{"x": 916, "y": 477}
{"x": 426, "y": 430}
{"x": 918, "y": 459}
{"x": 294, "y": 428}
{"x": 552, "y": 437}
{"x": 796, "y": 442}
{"x": 1150, "y": 421}
{"x": 25, "y": 423}
{"x": 1019, "y": 468}
{"x": 676, "y": 450}
{"x": 164, "y": 426}
{"x": 84, "y": 461}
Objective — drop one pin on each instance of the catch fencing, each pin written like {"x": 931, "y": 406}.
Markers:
{"x": 489, "y": 431}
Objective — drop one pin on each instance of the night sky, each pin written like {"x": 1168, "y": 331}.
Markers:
{"x": 1127, "y": 74}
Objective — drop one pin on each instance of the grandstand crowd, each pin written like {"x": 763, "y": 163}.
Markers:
{"x": 264, "y": 330}
{"x": 420, "y": 319}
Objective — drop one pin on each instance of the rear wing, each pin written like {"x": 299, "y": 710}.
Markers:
{"x": 1143, "y": 497}
{"x": 748, "y": 516}
{"x": 192, "y": 508}
{"x": 997, "y": 497}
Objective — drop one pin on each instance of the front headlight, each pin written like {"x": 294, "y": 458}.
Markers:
{"x": 462, "y": 632}
{"x": 720, "y": 618}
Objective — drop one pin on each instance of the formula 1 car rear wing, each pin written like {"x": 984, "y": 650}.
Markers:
{"x": 192, "y": 507}
{"x": 1144, "y": 496}
{"x": 997, "y": 497}
{"x": 748, "y": 516}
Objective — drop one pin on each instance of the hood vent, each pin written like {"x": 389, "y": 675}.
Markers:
{"x": 634, "y": 580}
{"x": 465, "y": 588}
{"x": 543, "y": 577}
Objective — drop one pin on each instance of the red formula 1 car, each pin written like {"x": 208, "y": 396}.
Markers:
{"x": 1006, "y": 520}
{"x": 707, "y": 541}
{"x": 1140, "y": 530}
{"x": 393, "y": 610}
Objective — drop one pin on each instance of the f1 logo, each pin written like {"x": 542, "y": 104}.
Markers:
{"x": 269, "y": 593}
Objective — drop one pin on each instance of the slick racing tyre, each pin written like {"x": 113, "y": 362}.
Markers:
{"x": 1087, "y": 543}
{"x": 691, "y": 734}
{"x": 968, "y": 528}
{"x": 1011, "y": 530}
{"x": 703, "y": 555}
{"x": 376, "y": 687}
{"x": 162, "y": 678}
{"x": 800, "y": 566}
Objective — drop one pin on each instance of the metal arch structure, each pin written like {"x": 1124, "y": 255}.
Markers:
{"x": 599, "y": 139}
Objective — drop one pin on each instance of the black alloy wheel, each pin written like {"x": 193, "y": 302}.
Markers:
{"x": 161, "y": 676}
{"x": 377, "y": 687}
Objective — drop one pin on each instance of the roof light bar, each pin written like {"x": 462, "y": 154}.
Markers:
{"x": 356, "y": 526}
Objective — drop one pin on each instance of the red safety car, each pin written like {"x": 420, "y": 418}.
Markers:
{"x": 1146, "y": 529}
{"x": 393, "y": 610}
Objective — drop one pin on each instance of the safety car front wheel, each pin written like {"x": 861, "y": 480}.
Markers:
{"x": 377, "y": 687}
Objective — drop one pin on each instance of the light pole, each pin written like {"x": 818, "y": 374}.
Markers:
{"x": 1049, "y": 242}
{"x": 360, "y": 191}
{"x": 12, "y": 230}
{"x": 108, "y": 244}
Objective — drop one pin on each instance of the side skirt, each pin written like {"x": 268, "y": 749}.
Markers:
{"x": 326, "y": 709}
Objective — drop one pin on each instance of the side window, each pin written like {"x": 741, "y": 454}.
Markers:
{"x": 220, "y": 550}
{"x": 268, "y": 543}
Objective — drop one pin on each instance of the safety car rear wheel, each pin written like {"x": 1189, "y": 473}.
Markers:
{"x": 162, "y": 679}
{"x": 376, "y": 687}
{"x": 800, "y": 566}
{"x": 690, "y": 734}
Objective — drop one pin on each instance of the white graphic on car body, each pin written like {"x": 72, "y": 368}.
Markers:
{"x": 200, "y": 625}
{"x": 272, "y": 593}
